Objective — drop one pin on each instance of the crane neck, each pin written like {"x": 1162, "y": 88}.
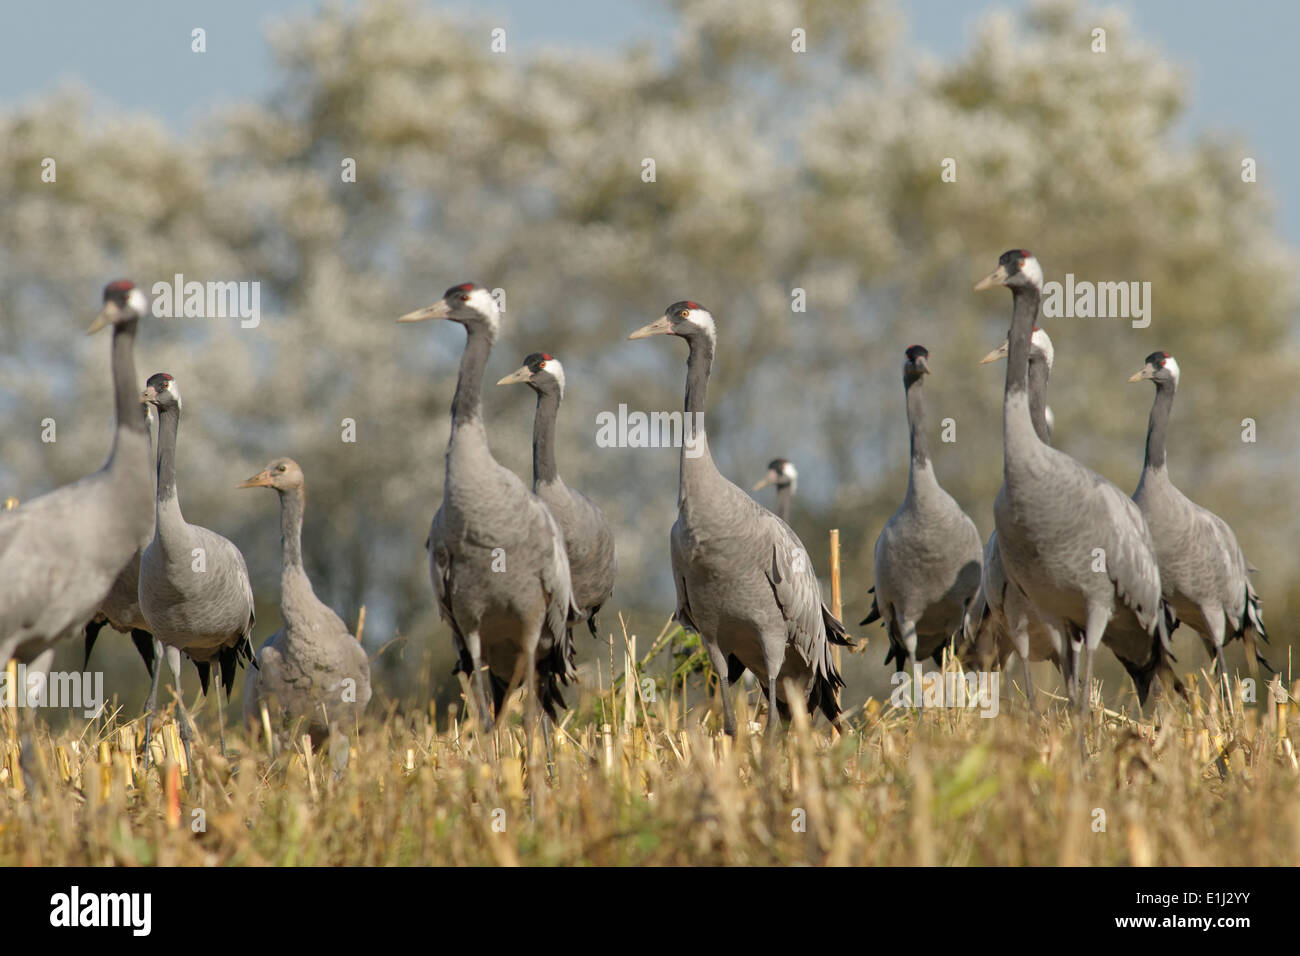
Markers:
{"x": 699, "y": 363}
{"x": 1038, "y": 375}
{"x": 916, "y": 421}
{"x": 548, "y": 408}
{"x": 920, "y": 473}
{"x": 131, "y": 414}
{"x": 1018, "y": 435}
{"x": 467, "y": 403}
{"x": 1158, "y": 425}
{"x": 696, "y": 461}
{"x": 1024, "y": 313}
{"x": 168, "y": 422}
{"x": 784, "y": 495}
{"x": 292, "y": 501}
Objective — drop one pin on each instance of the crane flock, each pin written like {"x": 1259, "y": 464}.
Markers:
{"x": 1073, "y": 563}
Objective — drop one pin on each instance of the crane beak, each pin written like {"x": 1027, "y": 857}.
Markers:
{"x": 660, "y": 326}
{"x": 923, "y": 364}
{"x": 261, "y": 480}
{"x": 997, "y": 277}
{"x": 769, "y": 479}
{"x": 996, "y": 355}
{"x": 1145, "y": 372}
{"x": 521, "y": 374}
{"x": 439, "y": 310}
{"x": 105, "y": 318}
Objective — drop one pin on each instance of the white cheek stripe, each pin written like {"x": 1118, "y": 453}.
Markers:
{"x": 1172, "y": 364}
{"x": 557, "y": 372}
{"x": 481, "y": 299}
{"x": 702, "y": 319}
{"x": 1033, "y": 271}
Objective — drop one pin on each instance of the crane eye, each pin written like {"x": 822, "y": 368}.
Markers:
{"x": 541, "y": 364}
{"x": 283, "y": 468}
{"x": 683, "y": 314}
{"x": 464, "y": 298}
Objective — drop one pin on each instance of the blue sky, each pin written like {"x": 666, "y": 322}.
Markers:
{"x": 135, "y": 53}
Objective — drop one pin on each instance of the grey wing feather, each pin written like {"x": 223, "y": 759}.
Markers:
{"x": 798, "y": 594}
{"x": 680, "y": 563}
{"x": 1130, "y": 554}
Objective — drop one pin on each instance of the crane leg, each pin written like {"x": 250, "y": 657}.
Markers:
{"x": 1098, "y": 618}
{"x": 1214, "y": 617}
{"x": 184, "y": 726}
{"x": 532, "y": 708}
{"x": 548, "y": 731}
{"x": 151, "y": 707}
{"x": 1068, "y": 668}
{"x": 221, "y": 716}
{"x": 1029, "y": 690}
{"x": 907, "y": 632}
{"x": 719, "y": 662}
{"x": 773, "y": 723}
{"x": 1018, "y": 633}
{"x": 474, "y": 645}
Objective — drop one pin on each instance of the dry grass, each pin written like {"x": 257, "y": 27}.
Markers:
{"x": 647, "y": 781}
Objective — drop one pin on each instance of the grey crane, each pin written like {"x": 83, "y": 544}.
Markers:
{"x": 928, "y": 556}
{"x": 1203, "y": 571}
{"x": 312, "y": 669}
{"x": 61, "y": 552}
{"x": 496, "y": 555}
{"x": 744, "y": 580}
{"x": 194, "y": 587}
{"x": 991, "y": 637}
{"x": 782, "y": 473}
{"x": 588, "y": 538}
{"x": 1073, "y": 543}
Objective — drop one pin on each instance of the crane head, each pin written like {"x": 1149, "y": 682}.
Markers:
{"x": 161, "y": 391}
{"x": 917, "y": 362}
{"x": 468, "y": 303}
{"x": 685, "y": 318}
{"x": 542, "y": 371}
{"x": 1160, "y": 367}
{"x": 282, "y": 474}
{"x": 781, "y": 472}
{"x": 1016, "y": 268}
{"x": 123, "y": 302}
{"x": 1040, "y": 349}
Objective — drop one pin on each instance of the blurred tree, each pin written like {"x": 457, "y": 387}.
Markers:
{"x": 775, "y": 170}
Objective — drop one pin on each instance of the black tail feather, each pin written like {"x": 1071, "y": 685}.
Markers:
{"x": 873, "y": 614}
{"x": 143, "y": 642}
{"x": 93, "y": 627}
{"x": 1255, "y": 615}
{"x": 822, "y": 695}
{"x": 835, "y": 630}
{"x": 735, "y": 669}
